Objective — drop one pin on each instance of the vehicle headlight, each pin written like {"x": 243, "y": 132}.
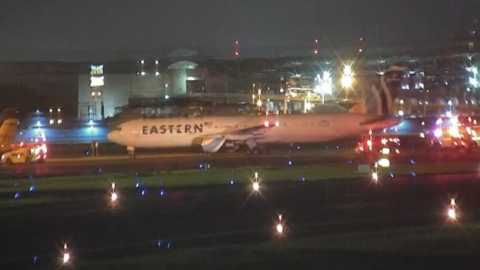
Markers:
{"x": 3, "y": 157}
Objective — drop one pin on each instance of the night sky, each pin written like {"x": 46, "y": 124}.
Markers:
{"x": 61, "y": 27}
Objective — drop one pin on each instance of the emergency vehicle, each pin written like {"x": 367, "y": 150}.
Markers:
{"x": 379, "y": 143}
{"x": 455, "y": 135}
{"x": 25, "y": 154}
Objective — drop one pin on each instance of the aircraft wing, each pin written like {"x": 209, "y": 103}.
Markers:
{"x": 381, "y": 123}
{"x": 213, "y": 142}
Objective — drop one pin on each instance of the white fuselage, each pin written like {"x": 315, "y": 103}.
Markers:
{"x": 183, "y": 132}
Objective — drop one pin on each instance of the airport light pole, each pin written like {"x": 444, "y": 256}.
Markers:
{"x": 347, "y": 79}
{"x": 142, "y": 62}
{"x": 307, "y": 104}
{"x": 401, "y": 112}
{"x": 474, "y": 81}
{"x": 259, "y": 99}
{"x": 59, "y": 120}
{"x": 157, "y": 73}
{"x": 166, "y": 91}
{"x": 51, "y": 116}
{"x": 326, "y": 85}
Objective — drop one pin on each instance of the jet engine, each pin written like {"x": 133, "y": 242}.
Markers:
{"x": 212, "y": 145}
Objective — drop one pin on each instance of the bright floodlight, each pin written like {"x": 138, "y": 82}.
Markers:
{"x": 66, "y": 258}
{"x": 259, "y": 103}
{"x": 114, "y": 197}
{"x": 474, "y": 70}
{"x": 279, "y": 228}
{"x": 347, "y": 81}
{"x": 473, "y": 81}
{"x": 326, "y": 75}
{"x": 348, "y": 70}
{"x": 256, "y": 186}
{"x": 452, "y": 214}
{"x": 65, "y": 255}
{"x": 385, "y": 151}
{"x": 384, "y": 162}
{"x": 375, "y": 176}
{"x": 452, "y": 202}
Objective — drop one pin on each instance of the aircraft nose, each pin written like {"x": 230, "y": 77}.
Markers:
{"x": 112, "y": 136}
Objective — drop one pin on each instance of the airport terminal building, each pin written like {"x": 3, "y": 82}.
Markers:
{"x": 431, "y": 78}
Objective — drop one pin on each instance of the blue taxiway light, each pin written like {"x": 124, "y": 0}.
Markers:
{"x": 163, "y": 192}
{"x": 159, "y": 242}
{"x": 32, "y": 188}
{"x": 232, "y": 182}
{"x": 144, "y": 192}
{"x": 17, "y": 195}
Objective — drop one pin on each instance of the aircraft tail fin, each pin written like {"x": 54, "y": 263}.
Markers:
{"x": 8, "y": 127}
{"x": 379, "y": 98}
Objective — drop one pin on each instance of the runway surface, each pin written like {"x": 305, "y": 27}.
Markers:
{"x": 182, "y": 161}
{"x": 198, "y": 217}
{"x": 189, "y": 161}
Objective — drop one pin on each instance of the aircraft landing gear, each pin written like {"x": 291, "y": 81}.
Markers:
{"x": 131, "y": 152}
{"x": 258, "y": 150}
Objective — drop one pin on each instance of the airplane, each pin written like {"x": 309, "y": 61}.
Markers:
{"x": 213, "y": 133}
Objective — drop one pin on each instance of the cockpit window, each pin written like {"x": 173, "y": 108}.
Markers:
{"x": 118, "y": 129}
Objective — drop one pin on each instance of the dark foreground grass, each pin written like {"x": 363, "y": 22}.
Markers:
{"x": 420, "y": 248}
{"x": 8, "y": 188}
